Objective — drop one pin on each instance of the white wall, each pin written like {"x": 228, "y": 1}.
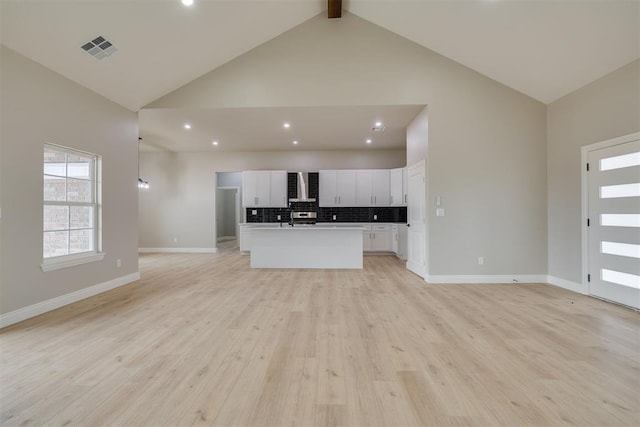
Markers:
{"x": 604, "y": 109}
{"x": 487, "y": 142}
{"x": 180, "y": 202}
{"x": 39, "y": 106}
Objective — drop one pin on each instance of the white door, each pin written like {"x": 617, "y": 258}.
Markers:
{"x": 614, "y": 223}
{"x": 416, "y": 220}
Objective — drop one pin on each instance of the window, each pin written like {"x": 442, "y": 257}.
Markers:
{"x": 70, "y": 208}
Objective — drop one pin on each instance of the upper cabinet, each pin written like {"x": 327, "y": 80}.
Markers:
{"x": 264, "y": 189}
{"x": 278, "y": 191}
{"x": 337, "y": 188}
{"x": 372, "y": 187}
{"x": 398, "y": 183}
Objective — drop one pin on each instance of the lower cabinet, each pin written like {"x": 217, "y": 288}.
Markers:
{"x": 377, "y": 238}
{"x": 245, "y": 238}
{"x": 399, "y": 240}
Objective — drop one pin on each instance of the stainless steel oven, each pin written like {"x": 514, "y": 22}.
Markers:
{"x": 306, "y": 218}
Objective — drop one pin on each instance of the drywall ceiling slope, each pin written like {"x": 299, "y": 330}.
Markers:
{"x": 261, "y": 129}
{"x": 161, "y": 44}
{"x": 322, "y": 62}
{"x": 545, "y": 49}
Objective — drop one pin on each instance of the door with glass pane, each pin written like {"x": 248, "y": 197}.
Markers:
{"x": 614, "y": 223}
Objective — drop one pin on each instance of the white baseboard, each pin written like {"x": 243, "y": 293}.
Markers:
{"x": 567, "y": 284}
{"x": 178, "y": 250}
{"x": 486, "y": 279}
{"x": 57, "y": 302}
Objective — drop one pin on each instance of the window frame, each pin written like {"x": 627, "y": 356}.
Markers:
{"x": 96, "y": 254}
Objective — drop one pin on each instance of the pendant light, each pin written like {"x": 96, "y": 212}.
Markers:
{"x": 142, "y": 184}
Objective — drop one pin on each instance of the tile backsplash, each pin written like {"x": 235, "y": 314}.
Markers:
{"x": 387, "y": 214}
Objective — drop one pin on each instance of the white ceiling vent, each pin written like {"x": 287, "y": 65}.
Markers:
{"x": 99, "y": 47}
{"x": 377, "y": 129}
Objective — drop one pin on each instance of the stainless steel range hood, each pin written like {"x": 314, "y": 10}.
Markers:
{"x": 302, "y": 194}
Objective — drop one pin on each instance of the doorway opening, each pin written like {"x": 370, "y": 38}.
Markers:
{"x": 228, "y": 211}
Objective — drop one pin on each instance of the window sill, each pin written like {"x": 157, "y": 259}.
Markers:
{"x": 70, "y": 261}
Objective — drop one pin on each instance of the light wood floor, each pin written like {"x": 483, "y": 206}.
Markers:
{"x": 205, "y": 340}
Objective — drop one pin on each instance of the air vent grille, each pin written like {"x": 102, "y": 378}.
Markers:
{"x": 377, "y": 129}
{"x": 99, "y": 47}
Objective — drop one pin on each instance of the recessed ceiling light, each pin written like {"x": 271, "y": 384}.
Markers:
{"x": 215, "y": 142}
{"x": 286, "y": 125}
{"x": 295, "y": 142}
{"x": 187, "y": 2}
{"x": 187, "y": 126}
{"x": 368, "y": 141}
{"x": 378, "y": 124}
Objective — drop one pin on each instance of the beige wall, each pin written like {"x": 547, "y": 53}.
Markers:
{"x": 39, "y": 106}
{"x": 487, "y": 143}
{"x": 418, "y": 137}
{"x": 604, "y": 109}
{"x": 180, "y": 202}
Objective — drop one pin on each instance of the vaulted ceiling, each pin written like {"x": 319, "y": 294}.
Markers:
{"x": 542, "y": 48}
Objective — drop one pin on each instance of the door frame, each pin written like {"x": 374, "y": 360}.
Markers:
{"x": 585, "y": 150}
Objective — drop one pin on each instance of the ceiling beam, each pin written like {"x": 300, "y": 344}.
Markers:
{"x": 334, "y": 9}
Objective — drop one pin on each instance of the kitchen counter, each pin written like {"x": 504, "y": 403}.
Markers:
{"x": 329, "y": 246}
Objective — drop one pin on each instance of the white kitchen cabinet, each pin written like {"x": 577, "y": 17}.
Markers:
{"x": 397, "y": 178}
{"x": 372, "y": 188}
{"x": 398, "y": 186}
{"x": 263, "y": 189}
{"x": 381, "y": 190}
{"x": 245, "y": 238}
{"x": 399, "y": 240}
{"x": 278, "y": 189}
{"x": 405, "y": 186}
{"x": 337, "y": 188}
{"x": 377, "y": 238}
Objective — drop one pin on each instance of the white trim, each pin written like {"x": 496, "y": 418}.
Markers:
{"x": 178, "y": 250}
{"x": 487, "y": 279}
{"x": 51, "y": 304}
{"x": 584, "y": 153}
{"x": 569, "y": 285}
{"x": 65, "y": 261}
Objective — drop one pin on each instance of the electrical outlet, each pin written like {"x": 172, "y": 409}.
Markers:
{"x": 440, "y": 212}
{"x": 279, "y": 217}
{"x": 335, "y": 217}
{"x": 375, "y": 217}
{"x": 175, "y": 240}
{"x": 481, "y": 260}
{"x": 118, "y": 263}
{"x": 254, "y": 212}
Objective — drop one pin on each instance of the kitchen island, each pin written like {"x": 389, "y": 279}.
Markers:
{"x": 307, "y": 247}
